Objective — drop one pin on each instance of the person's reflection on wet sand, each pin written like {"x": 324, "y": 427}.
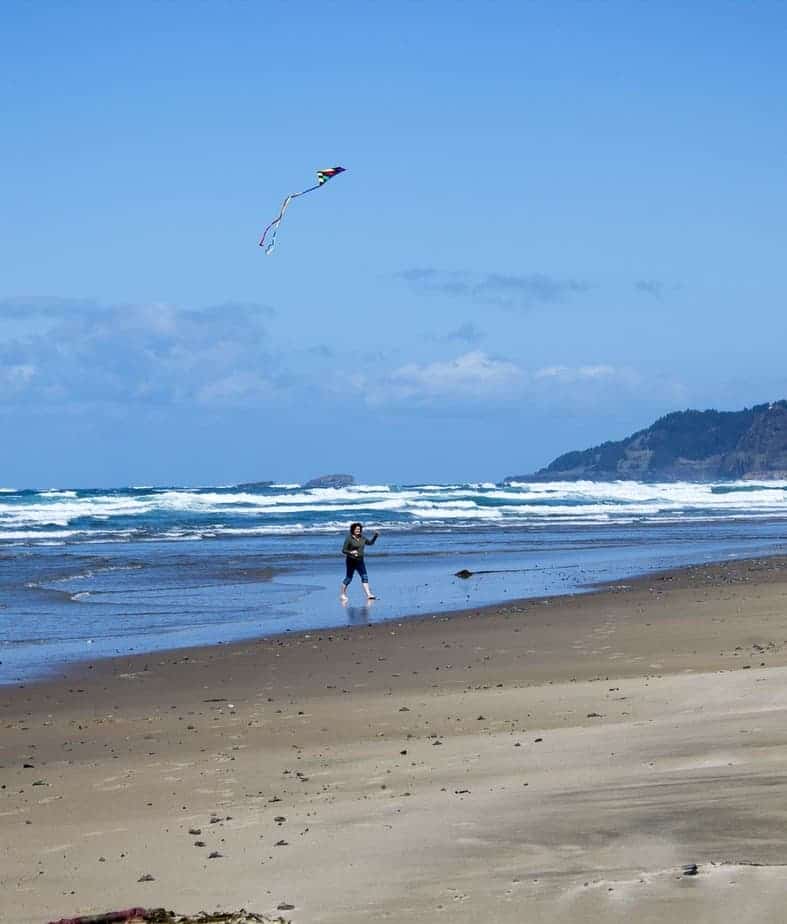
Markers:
{"x": 358, "y": 615}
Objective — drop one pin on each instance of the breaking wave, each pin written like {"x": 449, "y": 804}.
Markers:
{"x": 180, "y": 513}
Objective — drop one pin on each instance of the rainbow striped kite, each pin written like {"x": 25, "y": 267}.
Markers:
{"x": 322, "y": 178}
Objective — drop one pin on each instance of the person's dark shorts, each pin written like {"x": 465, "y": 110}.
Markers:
{"x": 353, "y": 565}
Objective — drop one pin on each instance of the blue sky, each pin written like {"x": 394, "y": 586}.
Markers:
{"x": 559, "y": 221}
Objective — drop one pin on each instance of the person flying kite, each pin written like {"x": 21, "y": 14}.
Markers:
{"x": 322, "y": 178}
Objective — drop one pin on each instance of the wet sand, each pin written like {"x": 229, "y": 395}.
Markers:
{"x": 550, "y": 760}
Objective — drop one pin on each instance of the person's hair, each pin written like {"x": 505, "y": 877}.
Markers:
{"x": 353, "y": 525}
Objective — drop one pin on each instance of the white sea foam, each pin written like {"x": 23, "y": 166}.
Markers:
{"x": 64, "y": 512}
{"x": 12, "y": 534}
{"x": 56, "y": 514}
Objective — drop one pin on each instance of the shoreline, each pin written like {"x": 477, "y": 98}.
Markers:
{"x": 73, "y": 671}
{"x": 556, "y": 759}
{"x": 135, "y": 596}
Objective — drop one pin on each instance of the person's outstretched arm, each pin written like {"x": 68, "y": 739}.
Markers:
{"x": 373, "y": 539}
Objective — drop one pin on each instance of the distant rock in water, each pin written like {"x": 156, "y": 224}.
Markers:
{"x": 685, "y": 446}
{"x": 255, "y": 485}
{"x": 330, "y": 481}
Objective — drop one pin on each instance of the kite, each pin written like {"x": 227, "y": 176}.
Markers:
{"x": 322, "y": 178}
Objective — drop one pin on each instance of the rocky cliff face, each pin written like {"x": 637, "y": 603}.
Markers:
{"x": 685, "y": 446}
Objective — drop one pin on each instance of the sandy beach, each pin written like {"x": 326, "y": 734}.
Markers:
{"x": 547, "y": 760}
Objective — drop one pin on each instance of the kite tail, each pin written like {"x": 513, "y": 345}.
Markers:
{"x": 273, "y": 227}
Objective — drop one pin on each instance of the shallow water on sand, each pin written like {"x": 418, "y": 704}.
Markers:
{"x": 87, "y": 599}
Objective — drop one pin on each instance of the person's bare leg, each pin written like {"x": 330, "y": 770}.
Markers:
{"x": 368, "y": 591}
{"x": 342, "y": 591}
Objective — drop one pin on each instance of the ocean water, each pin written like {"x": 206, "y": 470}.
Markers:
{"x": 86, "y": 574}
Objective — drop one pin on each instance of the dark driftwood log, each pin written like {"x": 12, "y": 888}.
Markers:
{"x": 162, "y": 916}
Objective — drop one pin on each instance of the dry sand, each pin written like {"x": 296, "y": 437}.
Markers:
{"x": 553, "y": 760}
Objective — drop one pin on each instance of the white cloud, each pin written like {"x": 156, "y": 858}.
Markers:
{"x": 569, "y": 375}
{"x": 239, "y": 387}
{"x": 84, "y": 355}
{"x": 471, "y": 375}
{"x": 478, "y": 376}
{"x": 14, "y": 378}
{"x": 505, "y": 290}
{"x": 155, "y": 354}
